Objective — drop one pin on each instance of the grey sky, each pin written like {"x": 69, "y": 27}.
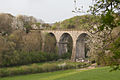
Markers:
{"x": 47, "y": 10}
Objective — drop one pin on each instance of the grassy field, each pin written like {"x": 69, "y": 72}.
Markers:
{"x": 94, "y": 74}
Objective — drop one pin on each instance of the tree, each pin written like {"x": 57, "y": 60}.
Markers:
{"x": 5, "y": 23}
{"x": 32, "y": 42}
{"x": 109, "y": 11}
{"x": 102, "y": 34}
{"x": 17, "y": 38}
{"x": 28, "y": 21}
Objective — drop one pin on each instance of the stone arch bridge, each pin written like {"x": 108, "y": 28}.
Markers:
{"x": 78, "y": 41}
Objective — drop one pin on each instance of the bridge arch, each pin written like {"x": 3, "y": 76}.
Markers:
{"x": 77, "y": 37}
{"x": 50, "y": 38}
{"x": 65, "y": 44}
{"x": 51, "y": 34}
{"x": 82, "y": 47}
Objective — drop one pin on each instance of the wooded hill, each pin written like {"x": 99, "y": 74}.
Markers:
{"x": 77, "y": 22}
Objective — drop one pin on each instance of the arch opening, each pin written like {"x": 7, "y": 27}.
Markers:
{"x": 65, "y": 44}
{"x": 50, "y": 43}
{"x": 82, "y": 48}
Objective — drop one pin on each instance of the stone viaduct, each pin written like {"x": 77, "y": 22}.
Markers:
{"x": 78, "y": 40}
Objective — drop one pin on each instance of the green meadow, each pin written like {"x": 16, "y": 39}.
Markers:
{"x": 75, "y": 74}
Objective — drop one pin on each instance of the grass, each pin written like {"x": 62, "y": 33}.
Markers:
{"x": 40, "y": 68}
{"x": 94, "y": 74}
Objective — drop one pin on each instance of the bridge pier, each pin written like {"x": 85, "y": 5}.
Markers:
{"x": 73, "y": 51}
{"x": 43, "y": 45}
{"x": 57, "y": 47}
{"x": 80, "y": 49}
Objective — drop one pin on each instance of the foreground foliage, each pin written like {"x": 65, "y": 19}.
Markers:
{"x": 109, "y": 11}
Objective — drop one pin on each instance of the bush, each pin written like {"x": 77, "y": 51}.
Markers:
{"x": 66, "y": 56}
{"x": 69, "y": 66}
{"x": 23, "y": 58}
{"x": 49, "y": 67}
{"x": 34, "y": 68}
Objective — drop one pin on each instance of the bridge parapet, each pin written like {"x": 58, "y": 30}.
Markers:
{"x": 60, "y": 29}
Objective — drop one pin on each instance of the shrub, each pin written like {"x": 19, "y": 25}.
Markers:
{"x": 69, "y": 66}
{"x": 3, "y": 73}
{"x": 49, "y": 67}
{"x": 66, "y": 56}
{"x": 22, "y": 58}
{"x": 34, "y": 68}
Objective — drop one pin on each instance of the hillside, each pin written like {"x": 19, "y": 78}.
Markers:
{"x": 77, "y": 22}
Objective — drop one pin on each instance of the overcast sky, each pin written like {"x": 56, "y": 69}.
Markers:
{"x": 47, "y": 10}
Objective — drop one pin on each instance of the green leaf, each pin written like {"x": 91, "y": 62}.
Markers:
{"x": 119, "y": 23}
{"x": 101, "y": 28}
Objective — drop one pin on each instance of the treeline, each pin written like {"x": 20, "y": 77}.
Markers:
{"x": 9, "y": 23}
{"x": 19, "y": 45}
